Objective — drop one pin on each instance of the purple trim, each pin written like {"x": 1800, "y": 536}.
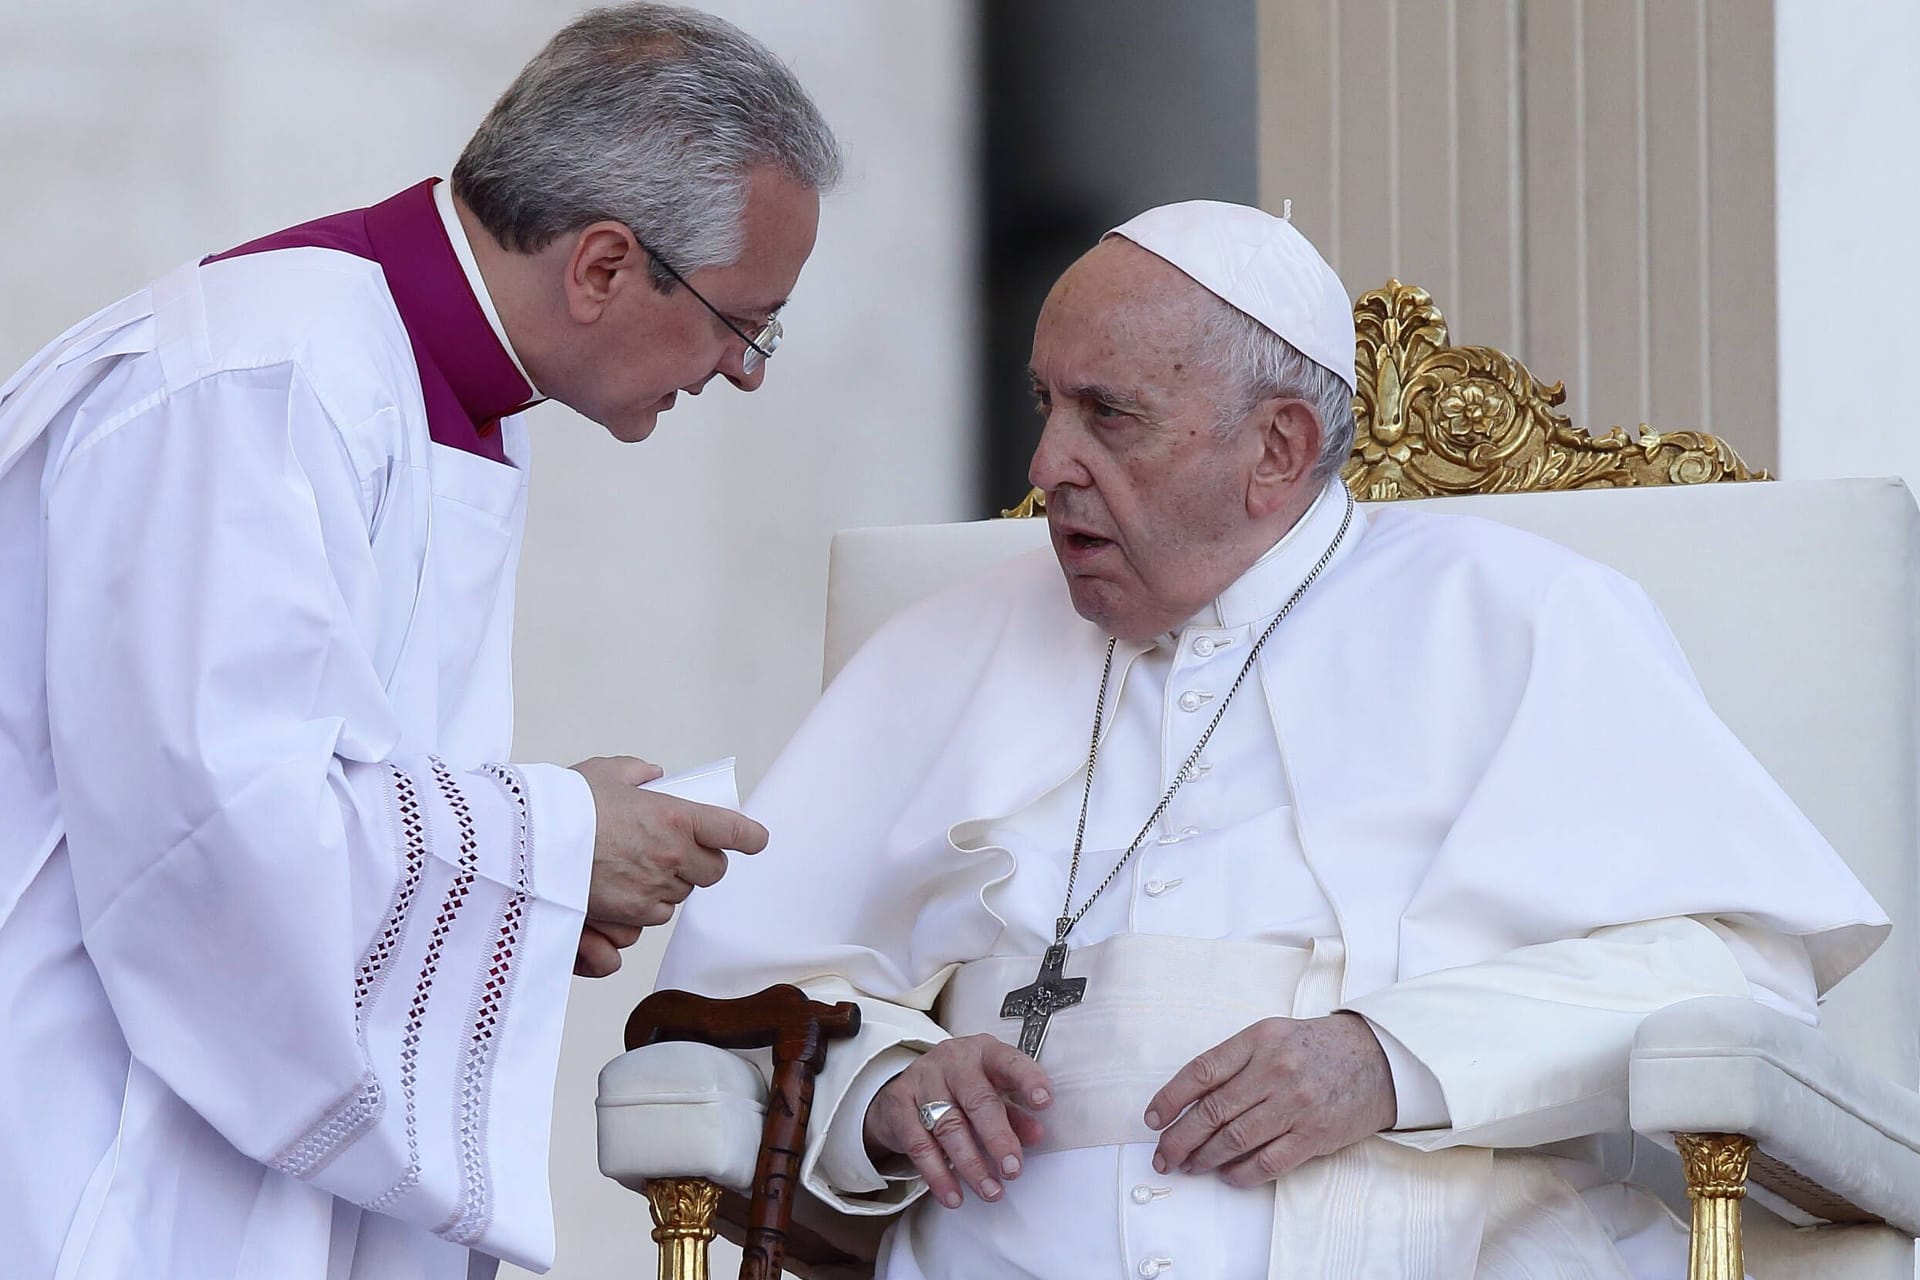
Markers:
{"x": 467, "y": 379}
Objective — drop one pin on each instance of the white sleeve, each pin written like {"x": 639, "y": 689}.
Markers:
{"x": 353, "y": 965}
{"x": 836, "y": 1167}
{"x": 1531, "y": 1047}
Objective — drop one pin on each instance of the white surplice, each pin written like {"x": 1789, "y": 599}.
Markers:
{"x": 284, "y": 949}
{"x": 1388, "y": 791}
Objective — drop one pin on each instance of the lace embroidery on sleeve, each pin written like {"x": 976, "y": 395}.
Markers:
{"x": 474, "y": 1212}
{"x": 364, "y": 1104}
{"x": 443, "y": 922}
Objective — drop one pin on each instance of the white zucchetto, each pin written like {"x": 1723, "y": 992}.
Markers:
{"x": 1258, "y": 264}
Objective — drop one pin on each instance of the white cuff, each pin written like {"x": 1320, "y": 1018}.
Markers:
{"x": 844, "y": 1163}
{"x": 1418, "y": 1101}
{"x": 561, "y": 814}
{"x": 840, "y": 1097}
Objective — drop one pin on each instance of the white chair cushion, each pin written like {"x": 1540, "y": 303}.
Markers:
{"x": 1717, "y": 1065}
{"x": 680, "y": 1110}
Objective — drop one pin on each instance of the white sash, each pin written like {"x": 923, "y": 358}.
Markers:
{"x": 1152, "y": 1005}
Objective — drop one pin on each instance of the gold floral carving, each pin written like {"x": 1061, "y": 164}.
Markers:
{"x": 1433, "y": 419}
{"x": 1716, "y": 1163}
{"x": 1034, "y": 504}
{"x": 682, "y": 1224}
{"x": 1430, "y": 419}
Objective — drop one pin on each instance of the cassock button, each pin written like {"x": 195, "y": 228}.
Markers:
{"x": 1189, "y": 701}
{"x": 1203, "y": 647}
{"x": 1142, "y": 1193}
{"x": 1154, "y": 1266}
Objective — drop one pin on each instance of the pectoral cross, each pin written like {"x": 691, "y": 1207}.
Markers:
{"x": 1039, "y": 1000}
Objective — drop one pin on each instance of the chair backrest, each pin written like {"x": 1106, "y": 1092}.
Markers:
{"x": 1797, "y": 603}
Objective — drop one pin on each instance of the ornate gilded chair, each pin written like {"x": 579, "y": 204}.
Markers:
{"x": 1798, "y": 605}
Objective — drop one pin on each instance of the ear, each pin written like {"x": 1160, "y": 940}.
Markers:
{"x": 1289, "y": 434}
{"x": 606, "y": 259}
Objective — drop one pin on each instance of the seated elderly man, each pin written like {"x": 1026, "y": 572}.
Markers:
{"x": 1268, "y": 830}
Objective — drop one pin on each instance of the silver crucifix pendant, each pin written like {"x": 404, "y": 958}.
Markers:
{"x": 1037, "y": 1002}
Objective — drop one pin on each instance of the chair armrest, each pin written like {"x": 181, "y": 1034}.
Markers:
{"x": 679, "y": 1109}
{"x": 1834, "y": 1139}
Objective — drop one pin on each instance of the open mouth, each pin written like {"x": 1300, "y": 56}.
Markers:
{"x": 1086, "y": 542}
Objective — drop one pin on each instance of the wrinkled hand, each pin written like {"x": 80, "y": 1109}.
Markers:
{"x": 1269, "y": 1099}
{"x": 980, "y": 1140}
{"x": 649, "y": 852}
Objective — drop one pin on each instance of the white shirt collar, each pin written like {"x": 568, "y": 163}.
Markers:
{"x": 463, "y": 250}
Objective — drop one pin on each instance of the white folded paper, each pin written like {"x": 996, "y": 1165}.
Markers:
{"x": 704, "y": 784}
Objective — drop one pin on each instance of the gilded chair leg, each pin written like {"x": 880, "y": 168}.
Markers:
{"x": 683, "y": 1224}
{"x": 1716, "y": 1183}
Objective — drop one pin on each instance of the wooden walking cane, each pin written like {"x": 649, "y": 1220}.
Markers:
{"x": 797, "y": 1030}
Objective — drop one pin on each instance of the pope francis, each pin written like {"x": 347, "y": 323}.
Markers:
{"x": 1238, "y": 905}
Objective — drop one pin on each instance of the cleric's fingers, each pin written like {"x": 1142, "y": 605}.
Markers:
{"x": 1200, "y": 1077}
{"x": 718, "y": 828}
{"x": 1026, "y": 1126}
{"x": 955, "y": 1133}
{"x": 1206, "y": 1117}
{"x": 596, "y": 957}
{"x": 992, "y": 1129}
{"x": 921, "y": 1147}
{"x": 1239, "y": 1137}
{"x": 630, "y": 770}
{"x": 702, "y": 868}
{"x": 1016, "y": 1075}
{"x": 1273, "y": 1161}
{"x": 620, "y": 935}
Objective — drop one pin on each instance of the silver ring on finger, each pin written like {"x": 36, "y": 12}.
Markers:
{"x": 932, "y": 1113}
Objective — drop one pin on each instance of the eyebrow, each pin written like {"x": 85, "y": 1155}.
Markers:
{"x": 1125, "y": 401}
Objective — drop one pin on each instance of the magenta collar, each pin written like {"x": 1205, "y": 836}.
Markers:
{"x": 467, "y": 378}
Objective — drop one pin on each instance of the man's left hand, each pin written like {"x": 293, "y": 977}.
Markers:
{"x": 1281, "y": 1092}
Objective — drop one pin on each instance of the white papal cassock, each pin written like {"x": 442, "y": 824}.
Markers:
{"x": 284, "y": 948}
{"x": 1397, "y": 816}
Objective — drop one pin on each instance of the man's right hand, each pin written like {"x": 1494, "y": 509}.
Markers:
{"x": 651, "y": 850}
{"x": 978, "y": 1075}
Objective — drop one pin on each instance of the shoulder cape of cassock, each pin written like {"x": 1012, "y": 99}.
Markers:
{"x": 1436, "y": 696}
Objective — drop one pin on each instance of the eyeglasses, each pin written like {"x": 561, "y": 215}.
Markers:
{"x": 760, "y": 347}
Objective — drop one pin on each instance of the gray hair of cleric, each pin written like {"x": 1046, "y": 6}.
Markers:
{"x": 649, "y": 115}
{"x": 1258, "y": 363}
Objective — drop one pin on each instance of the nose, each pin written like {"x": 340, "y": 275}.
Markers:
{"x": 733, "y": 368}
{"x": 1054, "y": 463}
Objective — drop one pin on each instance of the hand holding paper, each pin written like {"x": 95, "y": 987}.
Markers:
{"x": 656, "y": 840}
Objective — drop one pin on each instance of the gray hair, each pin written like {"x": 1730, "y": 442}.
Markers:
{"x": 1258, "y": 363}
{"x": 650, "y": 115}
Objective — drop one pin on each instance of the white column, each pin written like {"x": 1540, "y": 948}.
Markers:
{"x": 1846, "y": 96}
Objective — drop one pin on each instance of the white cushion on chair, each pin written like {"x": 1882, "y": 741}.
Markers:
{"x": 680, "y": 1110}
{"x": 1717, "y": 1065}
